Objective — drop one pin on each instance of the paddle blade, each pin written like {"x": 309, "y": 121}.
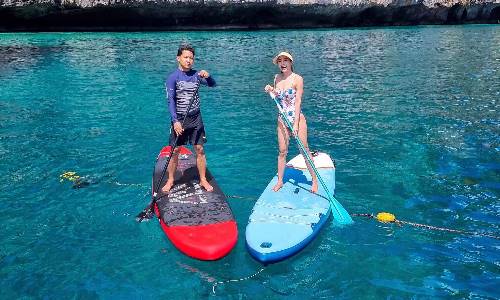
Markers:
{"x": 146, "y": 214}
{"x": 340, "y": 215}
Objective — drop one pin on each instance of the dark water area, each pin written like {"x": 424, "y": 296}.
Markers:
{"x": 410, "y": 115}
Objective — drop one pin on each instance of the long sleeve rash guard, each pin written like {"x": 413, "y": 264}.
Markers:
{"x": 182, "y": 87}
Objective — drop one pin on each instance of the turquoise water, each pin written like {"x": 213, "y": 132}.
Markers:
{"x": 410, "y": 115}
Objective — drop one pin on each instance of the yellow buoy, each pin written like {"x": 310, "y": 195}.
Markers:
{"x": 385, "y": 217}
{"x": 71, "y": 176}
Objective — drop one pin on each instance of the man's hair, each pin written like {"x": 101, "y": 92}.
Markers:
{"x": 183, "y": 47}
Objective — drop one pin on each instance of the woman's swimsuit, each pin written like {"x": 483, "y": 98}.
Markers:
{"x": 287, "y": 100}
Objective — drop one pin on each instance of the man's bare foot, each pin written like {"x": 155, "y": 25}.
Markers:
{"x": 314, "y": 187}
{"x": 206, "y": 185}
{"x": 166, "y": 188}
{"x": 278, "y": 186}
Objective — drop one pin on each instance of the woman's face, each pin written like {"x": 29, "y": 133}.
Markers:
{"x": 284, "y": 64}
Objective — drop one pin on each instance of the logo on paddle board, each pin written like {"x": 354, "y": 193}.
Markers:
{"x": 187, "y": 193}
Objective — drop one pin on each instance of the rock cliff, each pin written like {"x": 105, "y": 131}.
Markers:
{"x": 125, "y": 15}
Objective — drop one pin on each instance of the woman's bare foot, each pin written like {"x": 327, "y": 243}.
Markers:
{"x": 166, "y": 188}
{"x": 314, "y": 187}
{"x": 278, "y": 186}
{"x": 207, "y": 186}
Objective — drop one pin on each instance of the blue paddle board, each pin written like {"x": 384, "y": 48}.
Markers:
{"x": 282, "y": 223}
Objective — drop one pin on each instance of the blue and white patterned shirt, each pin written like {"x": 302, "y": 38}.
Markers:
{"x": 181, "y": 88}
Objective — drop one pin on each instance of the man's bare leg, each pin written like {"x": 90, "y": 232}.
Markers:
{"x": 201, "y": 163}
{"x": 172, "y": 166}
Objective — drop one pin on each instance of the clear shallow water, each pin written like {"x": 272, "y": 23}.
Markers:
{"x": 410, "y": 115}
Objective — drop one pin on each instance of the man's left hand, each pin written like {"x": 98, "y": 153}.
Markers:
{"x": 204, "y": 74}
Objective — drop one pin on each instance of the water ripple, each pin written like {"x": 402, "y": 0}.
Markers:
{"x": 409, "y": 114}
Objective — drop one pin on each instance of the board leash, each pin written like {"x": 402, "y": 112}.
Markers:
{"x": 236, "y": 280}
{"x": 385, "y": 217}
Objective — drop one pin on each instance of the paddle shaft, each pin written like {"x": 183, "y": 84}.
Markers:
{"x": 305, "y": 153}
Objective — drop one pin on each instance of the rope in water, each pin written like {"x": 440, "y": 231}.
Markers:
{"x": 236, "y": 280}
{"x": 83, "y": 181}
{"x": 80, "y": 181}
{"x": 385, "y": 217}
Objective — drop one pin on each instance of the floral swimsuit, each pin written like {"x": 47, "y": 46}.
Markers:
{"x": 287, "y": 100}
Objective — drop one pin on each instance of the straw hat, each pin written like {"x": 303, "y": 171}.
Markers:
{"x": 285, "y": 54}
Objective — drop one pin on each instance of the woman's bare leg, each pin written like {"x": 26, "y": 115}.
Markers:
{"x": 303, "y": 138}
{"x": 283, "y": 140}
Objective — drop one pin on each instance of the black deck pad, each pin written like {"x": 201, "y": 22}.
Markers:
{"x": 188, "y": 203}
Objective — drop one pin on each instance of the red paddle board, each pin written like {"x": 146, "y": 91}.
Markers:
{"x": 198, "y": 223}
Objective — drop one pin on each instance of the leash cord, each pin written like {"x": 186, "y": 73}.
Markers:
{"x": 236, "y": 280}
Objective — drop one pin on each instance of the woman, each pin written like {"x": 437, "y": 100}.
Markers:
{"x": 288, "y": 88}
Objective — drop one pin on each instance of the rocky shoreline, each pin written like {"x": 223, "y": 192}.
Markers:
{"x": 236, "y": 16}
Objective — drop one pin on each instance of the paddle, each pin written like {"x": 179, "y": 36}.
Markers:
{"x": 339, "y": 213}
{"x": 147, "y": 213}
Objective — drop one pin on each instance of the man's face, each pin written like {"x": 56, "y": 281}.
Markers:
{"x": 186, "y": 60}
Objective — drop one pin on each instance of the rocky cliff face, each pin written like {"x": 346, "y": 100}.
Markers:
{"x": 428, "y": 3}
{"x": 93, "y": 3}
{"x": 132, "y": 15}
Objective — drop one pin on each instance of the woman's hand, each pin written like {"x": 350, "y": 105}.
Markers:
{"x": 178, "y": 128}
{"x": 269, "y": 89}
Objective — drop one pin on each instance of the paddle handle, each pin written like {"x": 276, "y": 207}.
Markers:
{"x": 342, "y": 214}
